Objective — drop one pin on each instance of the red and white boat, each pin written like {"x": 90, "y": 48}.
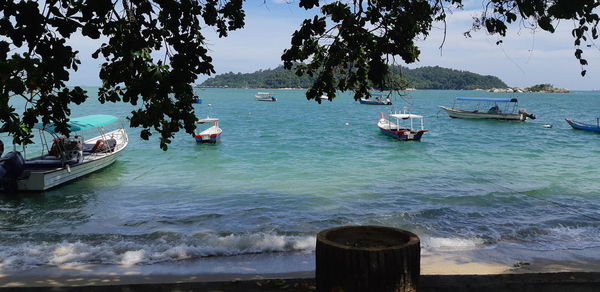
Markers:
{"x": 392, "y": 126}
{"x": 210, "y": 135}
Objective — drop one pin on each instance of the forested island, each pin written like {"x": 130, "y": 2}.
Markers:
{"x": 420, "y": 78}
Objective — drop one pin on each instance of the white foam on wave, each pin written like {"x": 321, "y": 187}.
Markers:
{"x": 28, "y": 255}
{"x": 132, "y": 257}
{"x": 567, "y": 237}
{"x": 451, "y": 242}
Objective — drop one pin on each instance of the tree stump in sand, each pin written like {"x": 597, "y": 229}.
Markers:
{"x": 367, "y": 258}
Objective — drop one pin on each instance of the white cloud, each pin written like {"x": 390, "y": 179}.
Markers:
{"x": 524, "y": 58}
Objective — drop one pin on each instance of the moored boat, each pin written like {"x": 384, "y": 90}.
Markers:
{"x": 500, "y": 109}
{"x": 67, "y": 158}
{"x": 584, "y": 126}
{"x": 211, "y": 134}
{"x": 265, "y": 96}
{"x": 397, "y": 131}
{"x": 377, "y": 100}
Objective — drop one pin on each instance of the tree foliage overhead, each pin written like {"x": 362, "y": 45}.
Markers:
{"x": 348, "y": 46}
{"x": 352, "y": 43}
{"x": 35, "y": 59}
{"x": 420, "y": 78}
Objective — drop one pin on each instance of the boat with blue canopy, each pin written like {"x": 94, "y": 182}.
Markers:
{"x": 488, "y": 108}
{"x": 81, "y": 123}
{"x": 584, "y": 126}
{"x": 62, "y": 159}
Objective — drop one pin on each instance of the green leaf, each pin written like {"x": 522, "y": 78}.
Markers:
{"x": 545, "y": 23}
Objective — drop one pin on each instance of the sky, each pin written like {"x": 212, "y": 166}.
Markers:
{"x": 524, "y": 58}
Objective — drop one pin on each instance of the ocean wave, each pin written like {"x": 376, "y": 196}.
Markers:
{"x": 28, "y": 255}
{"x": 560, "y": 237}
{"x": 448, "y": 243}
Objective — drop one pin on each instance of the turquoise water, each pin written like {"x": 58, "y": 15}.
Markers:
{"x": 285, "y": 170}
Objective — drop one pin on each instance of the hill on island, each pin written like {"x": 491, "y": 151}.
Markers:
{"x": 420, "y": 78}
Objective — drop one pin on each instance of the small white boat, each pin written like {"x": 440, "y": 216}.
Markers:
{"x": 398, "y": 131}
{"x": 210, "y": 135}
{"x": 66, "y": 159}
{"x": 265, "y": 96}
{"x": 482, "y": 109}
{"x": 377, "y": 99}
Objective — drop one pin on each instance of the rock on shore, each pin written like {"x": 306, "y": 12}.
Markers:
{"x": 545, "y": 88}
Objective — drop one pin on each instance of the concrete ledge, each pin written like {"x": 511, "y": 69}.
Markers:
{"x": 546, "y": 282}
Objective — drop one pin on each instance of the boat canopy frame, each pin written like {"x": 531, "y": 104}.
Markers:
{"x": 405, "y": 115}
{"x": 511, "y": 105}
{"x": 75, "y": 125}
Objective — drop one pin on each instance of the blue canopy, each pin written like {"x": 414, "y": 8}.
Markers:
{"x": 487, "y": 99}
{"x": 81, "y": 123}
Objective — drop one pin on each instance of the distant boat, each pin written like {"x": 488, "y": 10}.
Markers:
{"x": 584, "y": 126}
{"x": 211, "y": 134}
{"x": 377, "y": 99}
{"x": 265, "y": 96}
{"x": 482, "y": 109}
{"x": 396, "y": 130}
{"x": 67, "y": 158}
{"x": 196, "y": 99}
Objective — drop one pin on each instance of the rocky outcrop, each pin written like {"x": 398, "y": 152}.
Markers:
{"x": 545, "y": 88}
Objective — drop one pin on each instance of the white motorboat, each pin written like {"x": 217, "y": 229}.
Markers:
{"x": 377, "y": 99}
{"x": 66, "y": 159}
{"x": 397, "y": 130}
{"x": 265, "y": 96}
{"x": 482, "y": 109}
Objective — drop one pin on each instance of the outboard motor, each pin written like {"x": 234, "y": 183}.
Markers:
{"x": 12, "y": 166}
{"x": 525, "y": 113}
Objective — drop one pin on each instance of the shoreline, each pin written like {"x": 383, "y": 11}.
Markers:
{"x": 478, "y": 262}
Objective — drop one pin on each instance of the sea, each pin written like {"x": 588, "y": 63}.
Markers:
{"x": 285, "y": 170}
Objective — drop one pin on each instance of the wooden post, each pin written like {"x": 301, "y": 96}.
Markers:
{"x": 367, "y": 258}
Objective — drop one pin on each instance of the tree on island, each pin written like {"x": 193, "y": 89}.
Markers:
{"x": 399, "y": 78}
{"x": 544, "y": 88}
{"x": 347, "y": 46}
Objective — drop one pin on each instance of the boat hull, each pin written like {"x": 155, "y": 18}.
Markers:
{"x": 401, "y": 134}
{"x": 210, "y": 135}
{"x": 372, "y": 102}
{"x": 583, "y": 126}
{"x": 41, "y": 181}
{"x": 44, "y": 179}
{"x": 462, "y": 114}
{"x": 266, "y": 98}
{"x": 212, "y": 139}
